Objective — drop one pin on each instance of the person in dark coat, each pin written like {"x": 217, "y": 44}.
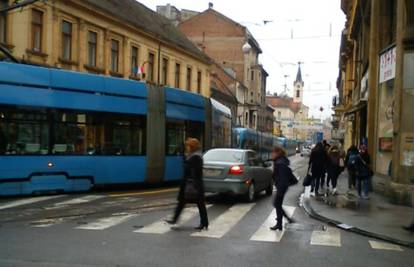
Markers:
{"x": 333, "y": 167}
{"x": 363, "y": 151}
{"x": 193, "y": 169}
{"x": 317, "y": 165}
{"x": 282, "y": 175}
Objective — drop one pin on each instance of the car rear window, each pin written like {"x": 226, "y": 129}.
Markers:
{"x": 223, "y": 156}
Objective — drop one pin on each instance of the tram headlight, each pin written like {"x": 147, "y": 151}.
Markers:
{"x": 50, "y": 164}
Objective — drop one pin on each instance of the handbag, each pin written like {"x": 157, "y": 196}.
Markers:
{"x": 191, "y": 191}
{"x": 292, "y": 178}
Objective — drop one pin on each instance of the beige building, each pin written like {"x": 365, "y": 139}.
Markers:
{"x": 119, "y": 38}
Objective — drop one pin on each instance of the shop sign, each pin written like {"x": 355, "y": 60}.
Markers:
{"x": 385, "y": 144}
{"x": 388, "y": 65}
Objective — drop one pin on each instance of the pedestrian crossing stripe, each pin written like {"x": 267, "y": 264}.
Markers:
{"x": 226, "y": 221}
{"x": 26, "y": 201}
{"x": 79, "y": 200}
{"x": 161, "y": 227}
{"x": 105, "y": 223}
{"x": 384, "y": 246}
{"x": 330, "y": 237}
{"x": 264, "y": 234}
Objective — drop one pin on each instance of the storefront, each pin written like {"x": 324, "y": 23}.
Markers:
{"x": 385, "y": 131}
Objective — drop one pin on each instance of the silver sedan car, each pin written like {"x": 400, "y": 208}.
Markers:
{"x": 236, "y": 171}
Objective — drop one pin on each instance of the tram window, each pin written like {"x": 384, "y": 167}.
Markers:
{"x": 195, "y": 130}
{"x": 23, "y": 132}
{"x": 175, "y": 138}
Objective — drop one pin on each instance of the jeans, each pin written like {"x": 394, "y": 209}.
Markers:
{"x": 363, "y": 186}
{"x": 351, "y": 179}
{"x": 201, "y": 209}
{"x": 316, "y": 181}
{"x": 278, "y": 204}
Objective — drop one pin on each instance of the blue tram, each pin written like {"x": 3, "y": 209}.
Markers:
{"x": 263, "y": 143}
{"x": 65, "y": 131}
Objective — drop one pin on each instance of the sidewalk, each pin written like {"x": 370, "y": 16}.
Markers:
{"x": 375, "y": 217}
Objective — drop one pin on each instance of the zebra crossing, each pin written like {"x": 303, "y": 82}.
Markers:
{"x": 219, "y": 227}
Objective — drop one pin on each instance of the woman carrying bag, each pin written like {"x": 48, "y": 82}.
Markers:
{"x": 192, "y": 187}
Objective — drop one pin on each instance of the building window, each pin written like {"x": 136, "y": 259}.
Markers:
{"x": 164, "y": 71}
{"x": 297, "y": 93}
{"x": 134, "y": 61}
{"x": 66, "y": 40}
{"x": 114, "y": 56}
{"x": 199, "y": 77}
{"x": 279, "y": 114}
{"x": 37, "y": 30}
{"x": 151, "y": 63}
{"x": 252, "y": 75}
{"x": 3, "y": 22}
{"x": 92, "y": 48}
{"x": 189, "y": 76}
{"x": 177, "y": 75}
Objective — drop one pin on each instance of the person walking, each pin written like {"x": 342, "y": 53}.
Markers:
{"x": 352, "y": 151}
{"x": 363, "y": 151}
{"x": 283, "y": 179}
{"x": 333, "y": 167}
{"x": 193, "y": 173}
{"x": 317, "y": 164}
{"x": 362, "y": 173}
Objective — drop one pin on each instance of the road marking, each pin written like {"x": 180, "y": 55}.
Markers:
{"x": 105, "y": 223}
{"x": 264, "y": 233}
{"x": 79, "y": 200}
{"x": 384, "y": 246}
{"x": 161, "y": 227}
{"x": 222, "y": 224}
{"x": 26, "y": 201}
{"x": 144, "y": 193}
{"x": 330, "y": 237}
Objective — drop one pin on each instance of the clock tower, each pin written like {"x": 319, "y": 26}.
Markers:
{"x": 298, "y": 87}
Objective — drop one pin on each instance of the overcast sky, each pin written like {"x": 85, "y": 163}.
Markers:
{"x": 316, "y": 26}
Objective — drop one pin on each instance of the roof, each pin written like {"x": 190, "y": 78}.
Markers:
{"x": 250, "y": 38}
{"x": 299, "y": 76}
{"x": 147, "y": 20}
{"x": 284, "y": 102}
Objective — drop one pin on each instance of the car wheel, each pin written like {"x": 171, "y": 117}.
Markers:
{"x": 251, "y": 193}
{"x": 269, "y": 189}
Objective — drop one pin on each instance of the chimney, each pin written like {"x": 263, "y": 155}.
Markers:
{"x": 210, "y": 5}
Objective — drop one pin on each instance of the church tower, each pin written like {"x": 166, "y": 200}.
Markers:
{"x": 298, "y": 87}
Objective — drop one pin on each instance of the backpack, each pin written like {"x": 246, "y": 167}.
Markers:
{"x": 352, "y": 161}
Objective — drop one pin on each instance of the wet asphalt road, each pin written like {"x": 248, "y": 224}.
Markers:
{"x": 125, "y": 228}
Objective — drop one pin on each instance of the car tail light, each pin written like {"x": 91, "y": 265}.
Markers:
{"x": 236, "y": 169}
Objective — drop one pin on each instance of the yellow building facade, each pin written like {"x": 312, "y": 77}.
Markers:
{"x": 85, "y": 36}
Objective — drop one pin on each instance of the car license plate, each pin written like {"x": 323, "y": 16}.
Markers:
{"x": 211, "y": 172}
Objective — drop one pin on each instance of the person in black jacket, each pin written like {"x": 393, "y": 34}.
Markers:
{"x": 317, "y": 165}
{"x": 282, "y": 175}
{"x": 193, "y": 169}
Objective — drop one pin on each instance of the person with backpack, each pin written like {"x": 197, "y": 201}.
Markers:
{"x": 352, "y": 151}
{"x": 317, "y": 165}
{"x": 362, "y": 173}
{"x": 334, "y": 168}
{"x": 363, "y": 151}
{"x": 283, "y": 178}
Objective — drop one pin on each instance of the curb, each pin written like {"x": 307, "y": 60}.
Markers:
{"x": 313, "y": 214}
